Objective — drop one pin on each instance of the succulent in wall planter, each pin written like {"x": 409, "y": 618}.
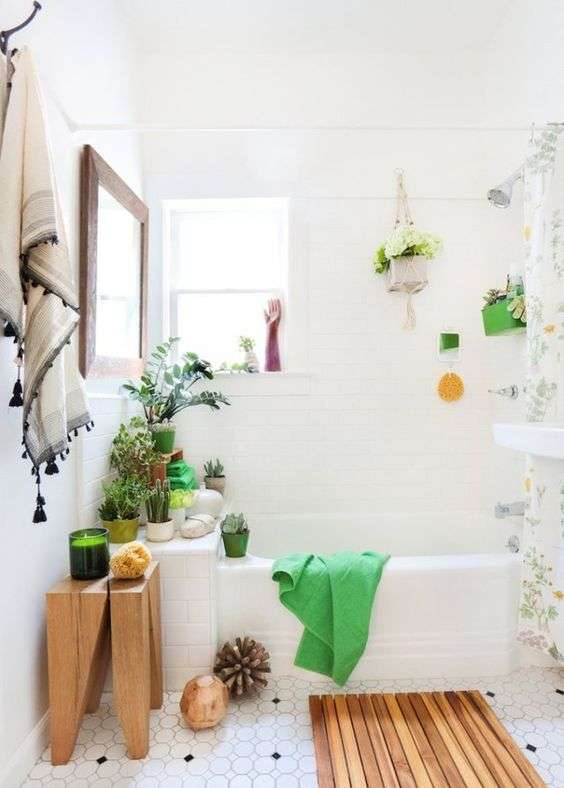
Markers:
{"x": 163, "y": 434}
{"x": 119, "y": 511}
{"x": 235, "y": 535}
{"x": 214, "y": 478}
{"x": 160, "y": 526}
{"x": 505, "y": 311}
{"x": 180, "y": 500}
{"x": 247, "y": 345}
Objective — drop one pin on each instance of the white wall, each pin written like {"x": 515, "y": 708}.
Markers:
{"x": 82, "y": 57}
{"x": 546, "y": 62}
{"x": 365, "y": 430}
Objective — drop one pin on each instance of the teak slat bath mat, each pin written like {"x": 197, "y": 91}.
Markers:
{"x": 415, "y": 740}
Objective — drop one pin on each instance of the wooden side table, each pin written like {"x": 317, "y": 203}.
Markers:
{"x": 78, "y": 651}
{"x": 80, "y": 616}
{"x": 136, "y": 655}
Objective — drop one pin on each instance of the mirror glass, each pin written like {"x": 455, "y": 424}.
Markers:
{"x": 449, "y": 346}
{"x": 118, "y": 280}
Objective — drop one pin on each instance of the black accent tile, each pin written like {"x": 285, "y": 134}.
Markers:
{"x": 531, "y": 748}
{"x": 490, "y": 694}
{"x": 276, "y": 701}
{"x": 276, "y": 755}
{"x": 101, "y": 760}
{"x": 188, "y": 758}
{"x": 560, "y": 692}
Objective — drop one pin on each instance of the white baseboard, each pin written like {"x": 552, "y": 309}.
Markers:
{"x": 14, "y": 773}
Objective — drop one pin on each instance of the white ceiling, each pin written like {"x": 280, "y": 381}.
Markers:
{"x": 368, "y": 26}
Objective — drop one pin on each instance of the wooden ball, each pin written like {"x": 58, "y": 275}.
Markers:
{"x": 204, "y": 702}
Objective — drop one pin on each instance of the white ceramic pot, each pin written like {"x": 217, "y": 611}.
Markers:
{"x": 178, "y": 517}
{"x": 207, "y": 502}
{"x": 160, "y": 532}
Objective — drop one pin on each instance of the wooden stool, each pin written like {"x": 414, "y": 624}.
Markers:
{"x": 136, "y": 655}
{"x": 78, "y": 640}
{"x": 80, "y": 614}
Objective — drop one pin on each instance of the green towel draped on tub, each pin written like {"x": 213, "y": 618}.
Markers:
{"x": 332, "y": 596}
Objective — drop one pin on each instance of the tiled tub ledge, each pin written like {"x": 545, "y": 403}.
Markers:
{"x": 188, "y": 605}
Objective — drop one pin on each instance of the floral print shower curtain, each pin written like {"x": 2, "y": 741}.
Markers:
{"x": 542, "y": 593}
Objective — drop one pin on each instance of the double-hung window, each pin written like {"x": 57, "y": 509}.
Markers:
{"x": 228, "y": 259}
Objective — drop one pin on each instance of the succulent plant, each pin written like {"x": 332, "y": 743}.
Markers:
{"x": 246, "y": 343}
{"x": 234, "y": 524}
{"x": 158, "y": 502}
{"x": 493, "y": 296}
{"x": 122, "y": 498}
{"x": 214, "y": 470}
{"x": 132, "y": 451}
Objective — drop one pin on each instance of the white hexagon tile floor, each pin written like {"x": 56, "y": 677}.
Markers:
{"x": 266, "y": 741}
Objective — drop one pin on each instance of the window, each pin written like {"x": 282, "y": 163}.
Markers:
{"x": 227, "y": 259}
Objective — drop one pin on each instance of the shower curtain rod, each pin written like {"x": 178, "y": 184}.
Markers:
{"x": 6, "y": 34}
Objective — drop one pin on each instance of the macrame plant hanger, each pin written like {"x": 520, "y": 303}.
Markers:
{"x": 406, "y": 274}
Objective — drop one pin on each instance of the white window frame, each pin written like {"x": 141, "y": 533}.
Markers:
{"x": 172, "y": 208}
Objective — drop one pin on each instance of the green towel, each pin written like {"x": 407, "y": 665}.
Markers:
{"x": 332, "y": 596}
{"x": 181, "y": 476}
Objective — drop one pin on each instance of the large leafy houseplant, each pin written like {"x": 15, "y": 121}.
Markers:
{"x": 166, "y": 387}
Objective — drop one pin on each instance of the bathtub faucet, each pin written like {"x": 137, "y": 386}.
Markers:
{"x": 512, "y": 392}
{"x": 515, "y": 509}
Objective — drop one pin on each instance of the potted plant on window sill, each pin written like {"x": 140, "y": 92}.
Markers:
{"x": 119, "y": 511}
{"x": 166, "y": 390}
{"x": 235, "y": 535}
{"x": 160, "y": 526}
{"x": 214, "y": 478}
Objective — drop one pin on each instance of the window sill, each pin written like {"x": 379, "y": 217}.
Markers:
{"x": 263, "y": 384}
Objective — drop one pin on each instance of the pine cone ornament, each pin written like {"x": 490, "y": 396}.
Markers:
{"x": 242, "y": 665}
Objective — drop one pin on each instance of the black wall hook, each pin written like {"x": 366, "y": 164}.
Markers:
{"x": 5, "y": 34}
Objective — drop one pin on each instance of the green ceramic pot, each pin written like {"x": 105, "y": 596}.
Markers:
{"x": 498, "y": 320}
{"x": 122, "y": 531}
{"x": 163, "y": 440}
{"x": 235, "y": 544}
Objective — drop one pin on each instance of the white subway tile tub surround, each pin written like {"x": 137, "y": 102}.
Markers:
{"x": 189, "y": 611}
{"x": 266, "y": 741}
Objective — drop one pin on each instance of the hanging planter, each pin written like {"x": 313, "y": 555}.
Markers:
{"x": 403, "y": 256}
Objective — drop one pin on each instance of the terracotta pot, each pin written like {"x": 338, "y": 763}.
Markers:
{"x": 216, "y": 483}
{"x": 160, "y": 532}
{"x": 122, "y": 531}
{"x": 157, "y": 471}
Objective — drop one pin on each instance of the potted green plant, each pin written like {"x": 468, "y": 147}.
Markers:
{"x": 160, "y": 526}
{"x": 403, "y": 257}
{"x": 504, "y": 312}
{"x": 247, "y": 345}
{"x": 214, "y": 478}
{"x": 119, "y": 511}
{"x": 133, "y": 452}
{"x": 235, "y": 535}
{"x": 166, "y": 389}
{"x": 180, "y": 500}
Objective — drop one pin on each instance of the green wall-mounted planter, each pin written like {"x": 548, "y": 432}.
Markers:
{"x": 498, "y": 320}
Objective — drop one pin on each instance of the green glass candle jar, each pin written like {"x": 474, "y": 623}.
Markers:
{"x": 89, "y": 553}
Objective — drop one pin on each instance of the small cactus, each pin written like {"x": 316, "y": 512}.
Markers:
{"x": 158, "y": 502}
{"x": 234, "y": 524}
{"x": 214, "y": 470}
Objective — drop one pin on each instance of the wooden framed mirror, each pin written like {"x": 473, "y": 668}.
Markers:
{"x": 113, "y": 272}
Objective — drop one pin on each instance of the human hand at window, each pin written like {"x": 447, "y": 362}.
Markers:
{"x": 272, "y": 317}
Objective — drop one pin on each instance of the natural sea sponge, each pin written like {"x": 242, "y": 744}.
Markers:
{"x": 450, "y": 387}
{"x": 130, "y": 561}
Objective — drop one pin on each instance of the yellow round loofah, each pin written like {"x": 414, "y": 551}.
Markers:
{"x": 130, "y": 561}
{"x": 450, "y": 387}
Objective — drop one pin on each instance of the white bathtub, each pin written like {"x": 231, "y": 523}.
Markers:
{"x": 446, "y": 605}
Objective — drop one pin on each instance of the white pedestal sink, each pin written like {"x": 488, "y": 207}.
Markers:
{"x": 542, "y": 439}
